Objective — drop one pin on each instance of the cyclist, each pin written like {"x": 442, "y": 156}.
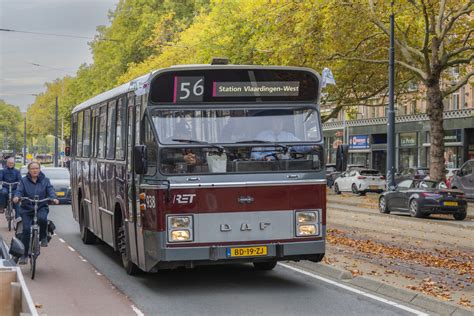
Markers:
{"x": 34, "y": 185}
{"x": 9, "y": 175}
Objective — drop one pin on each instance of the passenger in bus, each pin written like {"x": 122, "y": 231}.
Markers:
{"x": 276, "y": 134}
{"x": 34, "y": 185}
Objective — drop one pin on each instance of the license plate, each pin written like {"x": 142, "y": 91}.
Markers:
{"x": 450, "y": 203}
{"x": 247, "y": 251}
{"x": 60, "y": 193}
{"x": 373, "y": 187}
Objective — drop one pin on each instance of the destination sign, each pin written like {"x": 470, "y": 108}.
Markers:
{"x": 229, "y": 85}
{"x": 256, "y": 89}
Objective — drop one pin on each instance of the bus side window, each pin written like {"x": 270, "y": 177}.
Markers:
{"x": 102, "y": 132}
{"x": 121, "y": 130}
{"x": 79, "y": 134}
{"x": 111, "y": 129}
{"x": 152, "y": 147}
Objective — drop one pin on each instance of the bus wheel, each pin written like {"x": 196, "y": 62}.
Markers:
{"x": 87, "y": 236}
{"x": 265, "y": 266}
{"x": 130, "y": 267}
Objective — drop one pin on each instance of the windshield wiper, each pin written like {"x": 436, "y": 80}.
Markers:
{"x": 259, "y": 141}
{"x": 200, "y": 142}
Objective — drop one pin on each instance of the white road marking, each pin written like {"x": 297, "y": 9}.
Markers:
{"x": 61, "y": 240}
{"x": 137, "y": 311}
{"x": 351, "y": 289}
{"x": 72, "y": 249}
{"x": 82, "y": 259}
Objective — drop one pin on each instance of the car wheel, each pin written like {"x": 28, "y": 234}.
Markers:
{"x": 336, "y": 189}
{"x": 460, "y": 216}
{"x": 414, "y": 209}
{"x": 354, "y": 189}
{"x": 383, "y": 208}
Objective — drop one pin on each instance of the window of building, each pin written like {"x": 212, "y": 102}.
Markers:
{"x": 102, "y": 132}
{"x": 111, "y": 128}
{"x": 79, "y": 134}
{"x": 87, "y": 134}
{"x": 455, "y": 101}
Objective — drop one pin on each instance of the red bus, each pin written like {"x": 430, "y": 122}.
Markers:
{"x": 203, "y": 164}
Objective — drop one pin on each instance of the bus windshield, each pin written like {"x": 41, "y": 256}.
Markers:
{"x": 231, "y": 126}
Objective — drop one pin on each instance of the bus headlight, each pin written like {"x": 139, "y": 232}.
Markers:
{"x": 307, "y": 223}
{"x": 180, "y": 235}
{"x": 180, "y": 222}
{"x": 180, "y": 228}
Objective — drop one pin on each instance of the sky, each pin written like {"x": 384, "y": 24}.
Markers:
{"x": 57, "y": 56}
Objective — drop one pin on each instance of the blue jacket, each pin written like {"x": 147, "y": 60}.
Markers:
{"x": 10, "y": 175}
{"x": 42, "y": 188}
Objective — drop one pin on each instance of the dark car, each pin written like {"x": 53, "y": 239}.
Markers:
{"x": 411, "y": 174}
{"x": 60, "y": 179}
{"x": 464, "y": 179}
{"x": 422, "y": 198}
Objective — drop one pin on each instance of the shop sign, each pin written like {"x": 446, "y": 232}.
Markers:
{"x": 407, "y": 140}
{"x": 359, "y": 142}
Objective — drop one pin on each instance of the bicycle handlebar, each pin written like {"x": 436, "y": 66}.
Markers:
{"x": 8, "y": 183}
{"x": 35, "y": 201}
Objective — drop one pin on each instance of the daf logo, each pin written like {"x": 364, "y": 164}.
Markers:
{"x": 243, "y": 227}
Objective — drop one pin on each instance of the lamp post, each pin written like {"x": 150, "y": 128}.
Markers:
{"x": 391, "y": 109}
{"x": 56, "y": 153}
{"x": 24, "y": 140}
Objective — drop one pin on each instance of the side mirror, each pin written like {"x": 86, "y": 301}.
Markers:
{"x": 140, "y": 163}
{"x": 17, "y": 249}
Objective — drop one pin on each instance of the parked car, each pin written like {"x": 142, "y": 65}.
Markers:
{"x": 411, "y": 174}
{"x": 360, "y": 181}
{"x": 464, "y": 179}
{"x": 60, "y": 179}
{"x": 330, "y": 170}
{"x": 421, "y": 198}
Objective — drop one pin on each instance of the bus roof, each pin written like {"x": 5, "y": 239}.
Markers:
{"x": 141, "y": 82}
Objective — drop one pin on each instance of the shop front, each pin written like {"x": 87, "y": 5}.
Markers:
{"x": 359, "y": 150}
{"x": 407, "y": 150}
{"x": 453, "y": 148}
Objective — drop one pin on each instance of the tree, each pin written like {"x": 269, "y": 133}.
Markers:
{"x": 432, "y": 37}
{"x": 10, "y": 126}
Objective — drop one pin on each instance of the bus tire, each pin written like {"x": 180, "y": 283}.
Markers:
{"x": 265, "y": 266}
{"x": 87, "y": 236}
{"x": 130, "y": 267}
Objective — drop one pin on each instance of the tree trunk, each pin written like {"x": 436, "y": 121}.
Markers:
{"x": 435, "y": 113}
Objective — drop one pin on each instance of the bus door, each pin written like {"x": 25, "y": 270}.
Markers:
{"x": 131, "y": 188}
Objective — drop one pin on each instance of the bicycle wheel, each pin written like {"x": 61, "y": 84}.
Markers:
{"x": 9, "y": 216}
{"x": 34, "y": 252}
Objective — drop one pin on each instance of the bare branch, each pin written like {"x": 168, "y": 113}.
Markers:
{"x": 458, "y": 61}
{"x": 426, "y": 39}
{"x": 440, "y": 17}
{"x": 458, "y": 51}
{"x": 466, "y": 9}
{"x": 461, "y": 82}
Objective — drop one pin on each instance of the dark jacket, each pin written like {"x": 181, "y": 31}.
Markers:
{"x": 42, "y": 189}
{"x": 10, "y": 175}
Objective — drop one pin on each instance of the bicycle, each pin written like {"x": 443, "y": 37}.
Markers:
{"x": 34, "y": 249}
{"x": 9, "y": 209}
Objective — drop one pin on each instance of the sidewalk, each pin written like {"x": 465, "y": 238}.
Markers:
{"x": 66, "y": 284}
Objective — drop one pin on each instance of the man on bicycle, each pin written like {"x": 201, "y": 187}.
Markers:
{"x": 34, "y": 185}
{"x": 10, "y": 175}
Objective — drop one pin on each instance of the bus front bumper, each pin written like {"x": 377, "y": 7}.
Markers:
{"x": 190, "y": 256}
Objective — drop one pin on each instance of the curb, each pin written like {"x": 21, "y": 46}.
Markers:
{"x": 403, "y": 295}
{"x": 340, "y": 206}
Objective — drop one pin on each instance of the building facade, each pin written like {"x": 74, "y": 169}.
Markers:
{"x": 367, "y": 139}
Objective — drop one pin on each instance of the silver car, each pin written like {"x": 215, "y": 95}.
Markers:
{"x": 464, "y": 179}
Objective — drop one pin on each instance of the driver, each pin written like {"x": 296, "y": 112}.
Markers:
{"x": 276, "y": 134}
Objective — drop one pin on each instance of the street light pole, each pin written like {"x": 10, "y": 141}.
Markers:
{"x": 391, "y": 109}
{"x": 24, "y": 140}
{"x": 56, "y": 134}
